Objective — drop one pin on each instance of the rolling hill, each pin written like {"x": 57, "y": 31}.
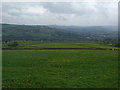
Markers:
{"x": 59, "y": 33}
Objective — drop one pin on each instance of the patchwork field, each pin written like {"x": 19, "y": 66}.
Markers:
{"x": 60, "y": 69}
{"x": 68, "y": 44}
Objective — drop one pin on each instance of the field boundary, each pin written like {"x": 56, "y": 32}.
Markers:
{"x": 59, "y": 49}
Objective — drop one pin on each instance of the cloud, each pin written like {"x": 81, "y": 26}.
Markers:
{"x": 61, "y": 13}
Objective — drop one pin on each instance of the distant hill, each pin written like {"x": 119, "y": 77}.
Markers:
{"x": 59, "y": 33}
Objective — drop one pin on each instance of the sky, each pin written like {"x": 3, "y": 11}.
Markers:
{"x": 60, "y": 13}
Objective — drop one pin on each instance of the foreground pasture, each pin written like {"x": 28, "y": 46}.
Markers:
{"x": 53, "y": 44}
{"x": 60, "y": 69}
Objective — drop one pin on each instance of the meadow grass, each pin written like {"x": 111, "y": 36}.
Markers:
{"x": 60, "y": 69}
{"x": 68, "y": 44}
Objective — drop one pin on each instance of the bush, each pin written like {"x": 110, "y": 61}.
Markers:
{"x": 117, "y": 45}
{"x": 13, "y": 44}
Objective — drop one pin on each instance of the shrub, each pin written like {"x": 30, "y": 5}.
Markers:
{"x": 117, "y": 45}
{"x": 13, "y": 44}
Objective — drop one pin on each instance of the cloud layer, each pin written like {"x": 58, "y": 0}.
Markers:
{"x": 61, "y": 13}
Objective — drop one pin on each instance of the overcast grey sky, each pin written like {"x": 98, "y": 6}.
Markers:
{"x": 60, "y": 13}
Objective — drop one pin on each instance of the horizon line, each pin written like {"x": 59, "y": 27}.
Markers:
{"x": 56, "y": 25}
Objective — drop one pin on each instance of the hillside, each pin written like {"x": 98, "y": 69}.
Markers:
{"x": 59, "y": 33}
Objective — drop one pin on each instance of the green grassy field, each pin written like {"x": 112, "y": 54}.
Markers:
{"x": 60, "y": 69}
{"x": 68, "y": 44}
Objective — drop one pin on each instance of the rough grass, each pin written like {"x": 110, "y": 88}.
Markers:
{"x": 48, "y": 44}
{"x": 60, "y": 69}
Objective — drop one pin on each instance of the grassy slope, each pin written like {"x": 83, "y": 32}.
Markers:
{"x": 60, "y": 68}
{"x": 77, "y": 44}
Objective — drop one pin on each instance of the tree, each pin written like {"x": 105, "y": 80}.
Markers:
{"x": 13, "y": 44}
{"x": 6, "y": 41}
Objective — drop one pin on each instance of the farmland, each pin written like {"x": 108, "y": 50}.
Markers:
{"x": 58, "y": 44}
{"x": 60, "y": 68}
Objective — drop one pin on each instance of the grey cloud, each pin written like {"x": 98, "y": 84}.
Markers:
{"x": 67, "y": 8}
{"x": 62, "y": 13}
{"x": 59, "y": 7}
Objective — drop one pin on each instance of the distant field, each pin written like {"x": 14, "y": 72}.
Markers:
{"x": 60, "y": 68}
{"x": 74, "y": 44}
